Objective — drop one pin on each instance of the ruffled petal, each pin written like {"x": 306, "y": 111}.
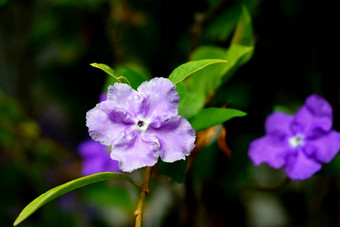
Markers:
{"x": 279, "y": 122}
{"x": 96, "y": 158}
{"x": 324, "y": 148}
{"x": 176, "y": 137}
{"x": 105, "y": 122}
{"x": 269, "y": 149}
{"x": 134, "y": 150}
{"x": 162, "y": 98}
{"x": 300, "y": 167}
{"x": 126, "y": 98}
{"x": 314, "y": 117}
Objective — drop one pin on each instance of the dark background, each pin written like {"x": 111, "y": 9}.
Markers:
{"x": 47, "y": 85}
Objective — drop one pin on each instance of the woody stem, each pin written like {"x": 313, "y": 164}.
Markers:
{"x": 144, "y": 190}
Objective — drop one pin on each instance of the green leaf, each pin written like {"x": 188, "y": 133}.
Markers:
{"x": 175, "y": 170}
{"x": 205, "y": 82}
{"x": 181, "y": 90}
{"x": 243, "y": 34}
{"x": 186, "y": 69}
{"x": 239, "y": 55}
{"x": 108, "y": 70}
{"x": 212, "y": 77}
{"x": 105, "y": 68}
{"x": 191, "y": 102}
{"x": 67, "y": 187}
{"x": 209, "y": 117}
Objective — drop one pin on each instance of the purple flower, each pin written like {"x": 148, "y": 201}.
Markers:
{"x": 300, "y": 143}
{"x": 96, "y": 158}
{"x": 141, "y": 125}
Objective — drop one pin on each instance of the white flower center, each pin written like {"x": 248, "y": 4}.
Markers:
{"x": 296, "y": 141}
{"x": 143, "y": 125}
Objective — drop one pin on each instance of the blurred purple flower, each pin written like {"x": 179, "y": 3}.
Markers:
{"x": 300, "y": 143}
{"x": 142, "y": 125}
{"x": 96, "y": 158}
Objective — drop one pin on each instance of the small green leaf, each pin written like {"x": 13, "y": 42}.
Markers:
{"x": 209, "y": 117}
{"x": 108, "y": 70}
{"x": 105, "y": 68}
{"x": 186, "y": 69}
{"x": 67, "y": 187}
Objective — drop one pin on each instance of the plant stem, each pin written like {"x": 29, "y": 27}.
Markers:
{"x": 144, "y": 187}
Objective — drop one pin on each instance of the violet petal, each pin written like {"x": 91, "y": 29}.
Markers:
{"x": 269, "y": 149}
{"x": 177, "y": 138}
{"x": 124, "y": 97}
{"x": 105, "y": 122}
{"x": 325, "y": 147}
{"x": 133, "y": 152}
{"x": 314, "y": 116}
{"x": 301, "y": 167}
{"x": 162, "y": 98}
{"x": 279, "y": 122}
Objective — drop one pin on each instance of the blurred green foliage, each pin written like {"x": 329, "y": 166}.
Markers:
{"x": 279, "y": 53}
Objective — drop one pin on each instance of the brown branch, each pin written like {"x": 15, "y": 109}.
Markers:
{"x": 144, "y": 190}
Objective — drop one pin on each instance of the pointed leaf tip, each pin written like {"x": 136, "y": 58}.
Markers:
{"x": 110, "y": 71}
